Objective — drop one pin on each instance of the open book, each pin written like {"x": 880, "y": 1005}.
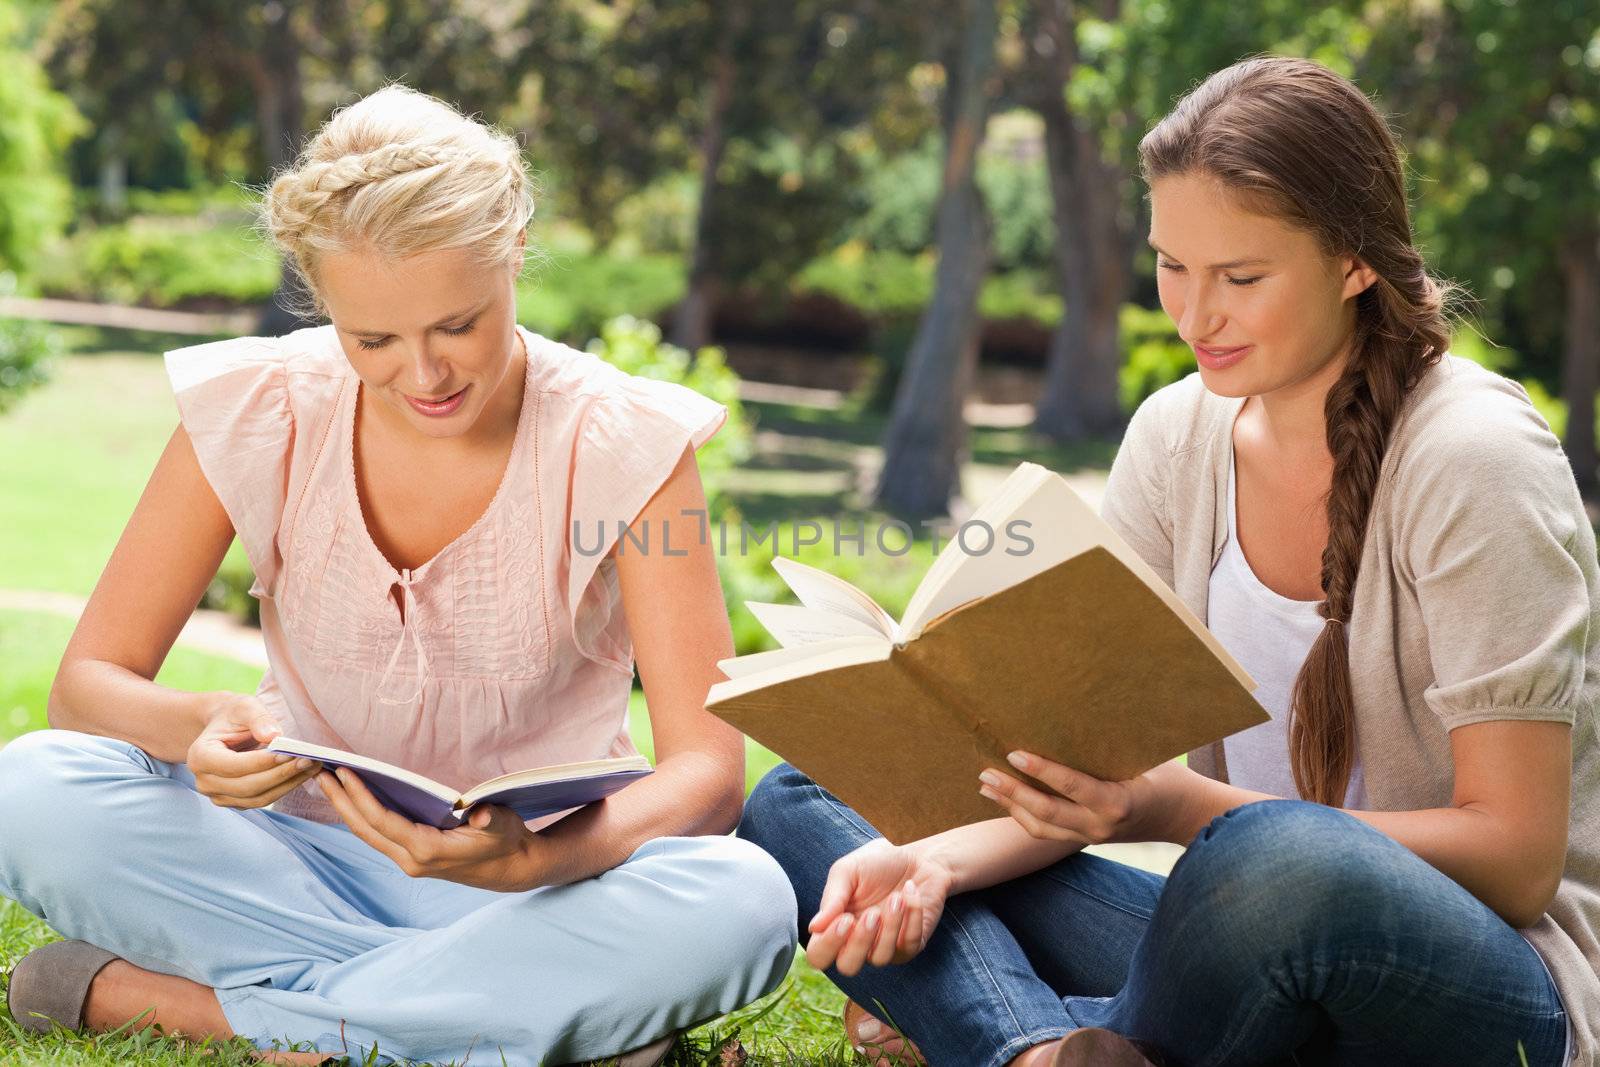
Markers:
{"x": 532, "y": 794}
{"x": 1053, "y": 637}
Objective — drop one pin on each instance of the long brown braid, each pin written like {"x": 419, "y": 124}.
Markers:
{"x": 1294, "y": 140}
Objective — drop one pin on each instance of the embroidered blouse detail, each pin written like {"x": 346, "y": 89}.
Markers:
{"x": 507, "y": 649}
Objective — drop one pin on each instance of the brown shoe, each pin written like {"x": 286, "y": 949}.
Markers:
{"x": 887, "y": 1046}
{"x": 49, "y": 985}
{"x": 1092, "y": 1046}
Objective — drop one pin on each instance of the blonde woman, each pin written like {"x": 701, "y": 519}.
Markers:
{"x": 1403, "y": 866}
{"x": 408, "y": 483}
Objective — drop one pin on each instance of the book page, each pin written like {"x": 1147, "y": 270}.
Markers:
{"x": 1052, "y": 523}
{"x": 821, "y": 591}
{"x": 418, "y": 798}
{"x": 793, "y": 625}
{"x": 840, "y": 654}
{"x": 631, "y": 767}
{"x": 958, "y": 577}
{"x": 341, "y": 758}
{"x": 758, "y": 662}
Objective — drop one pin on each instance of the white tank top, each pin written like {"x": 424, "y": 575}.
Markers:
{"x": 1269, "y": 635}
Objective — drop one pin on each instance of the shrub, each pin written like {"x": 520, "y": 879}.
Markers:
{"x": 1153, "y": 354}
{"x": 571, "y": 296}
{"x": 161, "y": 261}
{"x": 635, "y": 346}
{"x": 27, "y": 350}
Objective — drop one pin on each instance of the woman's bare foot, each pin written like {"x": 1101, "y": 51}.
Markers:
{"x": 123, "y": 992}
{"x": 870, "y": 1036}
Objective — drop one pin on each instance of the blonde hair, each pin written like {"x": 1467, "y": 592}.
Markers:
{"x": 399, "y": 172}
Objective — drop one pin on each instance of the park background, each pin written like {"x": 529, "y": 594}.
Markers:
{"x": 903, "y": 242}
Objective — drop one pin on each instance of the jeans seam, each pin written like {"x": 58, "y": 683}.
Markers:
{"x": 1000, "y": 995}
{"x": 1223, "y": 1051}
{"x": 1096, "y": 897}
{"x": 842, "y": 814}
{"x": 1023, "y": 1042}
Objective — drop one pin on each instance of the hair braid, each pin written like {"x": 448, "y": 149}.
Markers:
{"x": 1298, "y": 141}
{"x": 400, "y": 172}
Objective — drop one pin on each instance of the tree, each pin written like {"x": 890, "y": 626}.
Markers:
{"x": 36, "y": 124}
{"x": 231, "y": 64}
{"x": 927, "y": 428}
{"x": 775, "y": 170}
{"x": 1507, "y": 130}
{"x": 1093, "y": 239}
{"x": 691, "y": 323}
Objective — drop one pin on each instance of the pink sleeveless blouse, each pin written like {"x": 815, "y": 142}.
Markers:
{"x": 513, "y": 650}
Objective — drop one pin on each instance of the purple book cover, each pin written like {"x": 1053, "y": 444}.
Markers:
{"x": 528, "y": 801}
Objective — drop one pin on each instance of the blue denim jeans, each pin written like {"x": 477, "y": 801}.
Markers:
{"x": 1288, "y": 933}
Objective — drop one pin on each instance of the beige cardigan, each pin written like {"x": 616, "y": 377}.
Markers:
{"x": 1476, "y": 600}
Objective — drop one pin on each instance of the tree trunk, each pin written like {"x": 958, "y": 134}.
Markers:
{"x": 927, "y": 430}
{"x": 1080, "y": 397}
{"x": 1580, "y": 371}
{"x": 280, "y": 118}
{"x": 691, "y": 321}
{"x": 113, "y": 183}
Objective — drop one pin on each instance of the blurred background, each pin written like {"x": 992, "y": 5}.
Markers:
{"x": 904, "y": 242}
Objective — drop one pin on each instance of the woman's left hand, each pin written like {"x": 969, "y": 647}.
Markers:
{"x": 492, "y": 849}
{"x": 1150, "y": 807}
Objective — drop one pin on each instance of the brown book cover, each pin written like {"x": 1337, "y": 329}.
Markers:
{"x": 1083, "y": 662}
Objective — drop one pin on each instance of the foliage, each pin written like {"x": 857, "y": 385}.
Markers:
{"x": 570, "y": 296}
{"x": 161, "y": 262}
{"x": 1155, "y": 355}
{"x": 27, "y": 350}
{"x": 1505, "y": 138}
{"x": 36, "y": 124}
{"x": 893, "y": 203}
{"x": 635, "y": 346}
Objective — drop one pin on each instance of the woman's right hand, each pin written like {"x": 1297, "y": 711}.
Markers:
{"x": 230, "y": 762}
{"x": 880, "y": 906}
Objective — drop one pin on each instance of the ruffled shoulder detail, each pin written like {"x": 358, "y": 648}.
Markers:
{"x": 630, "y": 434}
{"x": 233, "y": 400}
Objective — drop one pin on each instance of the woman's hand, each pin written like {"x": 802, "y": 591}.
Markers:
{"x": 230, "y": 764}
{"x": 491, "y": 850}
{"x": 1151, "y": 807}
{"x": 880, "y": 906}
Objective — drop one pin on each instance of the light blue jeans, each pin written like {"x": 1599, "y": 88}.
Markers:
{"x": 310, "y": 935}
{"x": 1288, "y": 933}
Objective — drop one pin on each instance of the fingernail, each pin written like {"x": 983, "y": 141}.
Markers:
{"x": 870, "y": 1029}
{"x": 1018, "y": 760}
{"x": 989, "y": 778}
{"x": 986, "y": 791}
{"x": 911, "y": 887}
{"x": 343, "y": 775}
{"x": 872, "y": 920}
{"x": 894, "y": 904}
{"x": 306, "y": 764}
{"x": 284, "y": 757}
{"x": 844, "y": 924}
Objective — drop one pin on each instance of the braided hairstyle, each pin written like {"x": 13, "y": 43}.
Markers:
{"x": 397, "y": 173}
{"x": 1293, "y": 140}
